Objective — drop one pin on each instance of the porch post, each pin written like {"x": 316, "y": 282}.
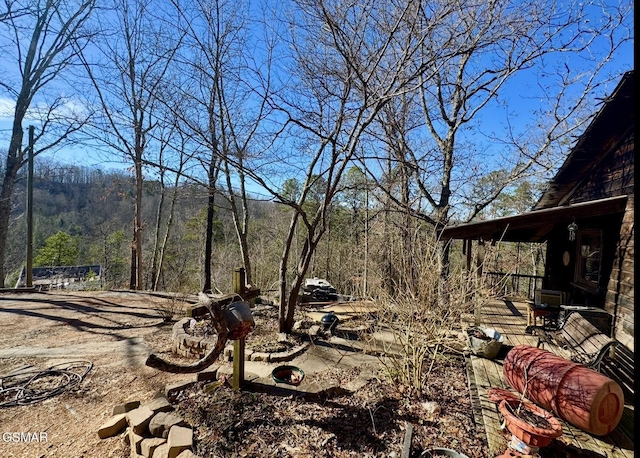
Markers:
{"x": 480, "y": 251}
{"x": 467, "y": 249}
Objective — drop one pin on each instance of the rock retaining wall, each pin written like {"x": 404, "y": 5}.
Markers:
{"x": 250, "y": 355}
{"x": 184, "y": 344}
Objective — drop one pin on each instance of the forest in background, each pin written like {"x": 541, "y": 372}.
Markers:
{"x": 87, "y": 211}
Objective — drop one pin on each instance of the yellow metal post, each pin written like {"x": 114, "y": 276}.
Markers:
{"x": 239, "y": 279}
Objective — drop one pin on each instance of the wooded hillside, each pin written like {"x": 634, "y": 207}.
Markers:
{"x": 94, "y": 207}
{"x": 368, "y": 249}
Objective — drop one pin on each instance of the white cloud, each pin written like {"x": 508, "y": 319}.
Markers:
{"x": 7, "y": 107}
{"x": 68, "y": 108}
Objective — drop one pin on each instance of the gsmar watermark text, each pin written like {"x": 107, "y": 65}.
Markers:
{"x": 27, "y": 437}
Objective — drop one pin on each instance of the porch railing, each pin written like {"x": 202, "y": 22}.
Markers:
{"x": 509, "y": 284}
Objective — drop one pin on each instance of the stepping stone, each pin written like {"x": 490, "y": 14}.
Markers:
{"x": 260, "y": 356}
{"x": 135, "y": 441}
{"x": 162, "y": 451}
{"x": 180, "y": 439}
{"x": 125, "y": 407}
{"x": 174, "y": 388}
{"x": 139, "y": 419}
{"x": 148, "y": 446}
{"x": 187, "y": 454}
{"x": 162, "y": 422}
{"x": 113, "y": 426}
{"x": 159, "y": 405}
{"x": 206, "y": 375}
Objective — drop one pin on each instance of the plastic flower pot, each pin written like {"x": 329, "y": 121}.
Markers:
{"x": 528, "y": 433}
{"x": 485, "y": 342}
{"x": 532, "y": 435}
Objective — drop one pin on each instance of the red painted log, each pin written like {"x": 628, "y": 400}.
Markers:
{"x": 583, "y": 397}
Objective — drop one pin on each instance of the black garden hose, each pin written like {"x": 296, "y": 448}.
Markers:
{"x": 23, "y": 389}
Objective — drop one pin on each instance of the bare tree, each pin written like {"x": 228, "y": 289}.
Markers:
{"x": 14, "y": 11}
{"x": 42, "y": 39}
{"x": 135, "y": 55}
{"x": 350, "y": 60}
{"x": 170, "y": 138}
{"x": 502, "y": 49}
{"x": 441, "y": 140}
{"x": 225, "y": 109}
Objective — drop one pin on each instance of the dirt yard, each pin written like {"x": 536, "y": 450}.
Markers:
{"x": 115, "y": 331}
{"x": 111, "y": 330}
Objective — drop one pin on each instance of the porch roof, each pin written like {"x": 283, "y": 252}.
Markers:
{"x": 533, "y": 226}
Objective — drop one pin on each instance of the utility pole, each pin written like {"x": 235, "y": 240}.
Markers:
{"x": 29, "y": 267}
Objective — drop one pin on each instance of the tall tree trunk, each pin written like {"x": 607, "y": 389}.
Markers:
{"x": 240, "y": 220}
{"x": 308, "y": 251}
{"x": 388, "y": 275}
{"x": 284, "y": 260}
{"x": 15, "y": 158}
{"x": 407, "y": 248}
{"x": 365, "y": 279}
{"x": 244, "y": 242}
{"x": 327, "y": 269}
{"x": 163, "y": 246}
{"x": 8, "y": 183}
{"x": 139, "y": 226}
{"x": 156, "y": 237}
{"x": 134, "y": 265}
{"x": 208, "y": 243}
{"x": 136, "y": 258}
{"x": 212, "y": 177}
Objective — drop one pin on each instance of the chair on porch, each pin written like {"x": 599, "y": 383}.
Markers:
{"x": 550, "y": 318}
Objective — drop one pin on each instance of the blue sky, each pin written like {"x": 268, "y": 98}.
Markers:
{"x": 523, "y": 95}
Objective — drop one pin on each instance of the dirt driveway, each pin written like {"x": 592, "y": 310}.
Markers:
{"x": 115, "y": 331}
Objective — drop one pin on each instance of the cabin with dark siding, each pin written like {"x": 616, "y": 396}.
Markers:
{"x": 586, "y": 217}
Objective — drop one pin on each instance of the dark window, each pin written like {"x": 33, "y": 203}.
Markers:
{"x": 589, "y": 258}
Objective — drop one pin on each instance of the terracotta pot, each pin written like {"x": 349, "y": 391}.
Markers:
{"x": 575, "y": 393}
{"x": 513, "y": 454}
{"x": 528, "y": 433}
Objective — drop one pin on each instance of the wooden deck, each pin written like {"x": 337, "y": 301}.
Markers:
{"x": 510, "y": 319}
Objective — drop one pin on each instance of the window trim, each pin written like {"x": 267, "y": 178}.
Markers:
{"x": 579, "y": 276}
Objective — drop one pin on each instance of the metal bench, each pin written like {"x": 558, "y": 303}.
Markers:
{"x": 577, "y": 340}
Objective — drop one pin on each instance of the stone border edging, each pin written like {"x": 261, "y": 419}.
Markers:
{"x": 184, "y": 344}
{"x": 275, "y": 357}
{"x": 187, "y": 345}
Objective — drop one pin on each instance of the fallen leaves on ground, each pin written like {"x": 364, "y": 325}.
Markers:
{"x": 370, "y": 422}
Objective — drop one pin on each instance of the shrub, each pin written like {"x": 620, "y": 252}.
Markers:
{"x": 172, "y": 308}
{"x": 420, "y": 318}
